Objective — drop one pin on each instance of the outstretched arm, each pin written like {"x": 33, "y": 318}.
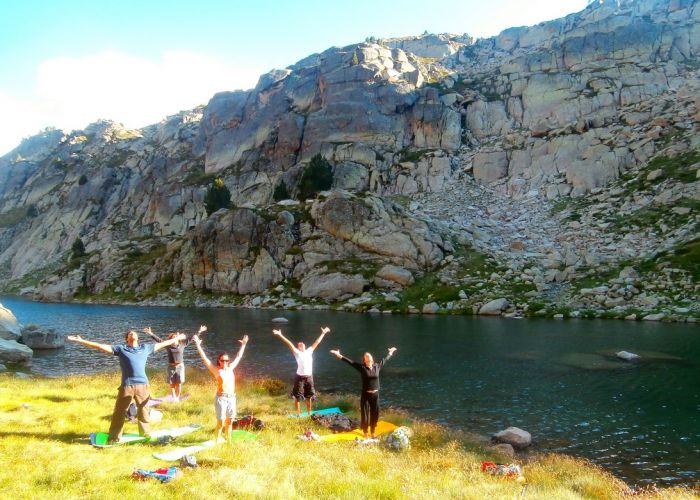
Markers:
{"x": 202, "y": 329}
{"x": 390, "y": 353}
{"x": 238, "y": 357}
{"x": 324, "y": 331}
{"x": 95, "y": 345}
{"x": 354, "y": 364}
{"x": 177, "y": 338}
{"x": 205, "y": 360}
{"x": 150, "y": 333}
{"x": 285, "y": 340}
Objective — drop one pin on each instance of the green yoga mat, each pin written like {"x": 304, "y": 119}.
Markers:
{"x": 100, "y": 439}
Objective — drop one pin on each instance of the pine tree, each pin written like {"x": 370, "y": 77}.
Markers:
{"x": 318, "y": 176}
{"x": 78, "y": 248}
{"x": 281, "y": 192}
{"x": 218, "y": 197}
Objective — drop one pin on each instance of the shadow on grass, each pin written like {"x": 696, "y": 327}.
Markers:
{"x": 66, "y": 399}
{"x": 67, "y": 437}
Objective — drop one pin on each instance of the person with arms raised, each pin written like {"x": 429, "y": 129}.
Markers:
{"x": 134, "y": 385}
{"x": 369, "y": 398}
{"x": 176, "y": 365}
{"x": 225, "y": 399}
{"x": 304, "y": 380}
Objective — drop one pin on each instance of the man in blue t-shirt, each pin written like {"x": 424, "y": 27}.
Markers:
{"x": 134, "y": 386}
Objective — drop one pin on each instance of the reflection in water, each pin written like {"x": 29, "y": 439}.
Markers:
{"x": 557, "y": 379}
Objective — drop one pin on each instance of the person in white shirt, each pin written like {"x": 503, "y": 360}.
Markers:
{"x": 303, "y": 380}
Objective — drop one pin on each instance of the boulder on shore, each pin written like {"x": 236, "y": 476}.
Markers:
{"x": 494, "y": 308}
{"x": 13, "y": 352}
{"x": 9, "y": 327}
{"x": 513, "y": 436}
{"x": 332, "y": 287}
{"x": 396, "y": 274}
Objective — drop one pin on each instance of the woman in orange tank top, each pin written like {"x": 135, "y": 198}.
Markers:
{"x": 225, "y": 400}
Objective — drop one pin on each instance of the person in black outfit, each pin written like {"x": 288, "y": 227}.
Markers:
{"x": 369, "y": 399}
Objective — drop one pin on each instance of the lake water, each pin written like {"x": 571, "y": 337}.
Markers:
{"x": 555, "y": 379}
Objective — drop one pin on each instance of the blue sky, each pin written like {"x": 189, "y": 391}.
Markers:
{"x": 66, "y": 63}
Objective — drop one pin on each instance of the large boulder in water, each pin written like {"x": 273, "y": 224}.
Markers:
{"x": 628, "y": 356}
{"x": 35, "y": 338}
{"x": 513, "y": 436}
{"x": 14, "y": 352}
{"x": 9, "y": 327}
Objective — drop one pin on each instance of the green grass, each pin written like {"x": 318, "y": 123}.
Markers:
{"x": 686, "y": 257}
{"x": 473, "y": 263}
{"x": 117, "y": 159}
{"x": 13, "y": 217}
{"x": 44, "y": 425}
{"x": 148, "y": 258}
{"x": 426, "y": 290}
{"x": 677, "y": 167}
{"x": 601, "y": 275}
{"x": 413, "y": 156}
{"x": 352, "y": 265}
{"x": 197, "y": 177}
{"x": 655, "y": 215}
{"x": 28, "y": 280}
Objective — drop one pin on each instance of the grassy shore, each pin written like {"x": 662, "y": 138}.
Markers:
{"x": 44, "y": 425}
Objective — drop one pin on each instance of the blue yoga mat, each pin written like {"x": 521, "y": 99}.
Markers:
{"x": 323, "y": 411}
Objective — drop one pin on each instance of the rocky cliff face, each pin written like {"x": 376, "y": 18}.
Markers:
{"x": 533, "y": 166}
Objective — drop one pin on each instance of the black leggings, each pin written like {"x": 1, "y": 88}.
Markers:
{"x": 369, "y": 411}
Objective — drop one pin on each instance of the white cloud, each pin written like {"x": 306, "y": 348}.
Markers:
{"x": 70, "y": 93}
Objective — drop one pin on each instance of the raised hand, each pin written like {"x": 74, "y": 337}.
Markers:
{"x": 277, "y": 332}
{"x": 148, "y": 330}
{"x": 336, "y": 353}
{"x": 391, "y": 350}
{"x": 325, "y": 329}
{"x": 74, "y": 338}
{"x": 244, "y": 340}
{"x": 202, "y": 329}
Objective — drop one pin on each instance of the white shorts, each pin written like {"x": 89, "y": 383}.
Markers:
{"x": 225, "y": 406}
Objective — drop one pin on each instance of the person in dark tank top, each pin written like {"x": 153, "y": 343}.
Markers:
{"x": 175, "y": 375}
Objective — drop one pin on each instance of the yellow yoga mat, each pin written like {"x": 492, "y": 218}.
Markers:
{"x": 382, "y": 428}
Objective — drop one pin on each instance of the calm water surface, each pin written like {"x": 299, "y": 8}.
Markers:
{"x": 555, "y": 379}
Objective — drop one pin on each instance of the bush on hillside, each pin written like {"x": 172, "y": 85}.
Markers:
{"x": 318, "y": 176}
{"x": 281, "y": 192}
{"x": 218, "y": 197}
{"x": 78, "y": 248}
